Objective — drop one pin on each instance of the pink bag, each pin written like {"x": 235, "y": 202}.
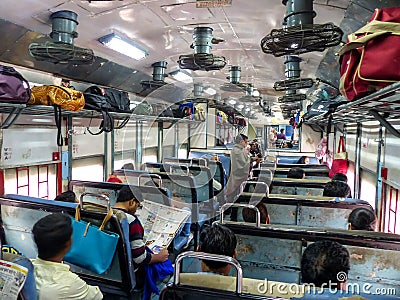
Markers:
{"x": 340, "y": 163}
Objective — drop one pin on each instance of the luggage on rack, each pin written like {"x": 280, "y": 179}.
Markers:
{"x": 187, "y": 110}
{"x": 63, "y": 97}
{"x": 370, "y": 59}
{"x": 118, "y": 101}
{"x": 199, "y": 113}
{"x": 14, "y": 88}
{"x": 96, "y": 100}
{"x": 162, "y": 110}
{"x": 59, "y": 97}
{"x": 143, "y": 108}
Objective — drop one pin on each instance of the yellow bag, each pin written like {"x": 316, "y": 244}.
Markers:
{"x": 340, "y": 155}
{"x": 199, "y": 113}
{"x": 66, "y": 98}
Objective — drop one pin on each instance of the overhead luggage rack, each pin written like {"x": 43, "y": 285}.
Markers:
{"x": 382, "y": 105}
{"x": 15, "y": 110}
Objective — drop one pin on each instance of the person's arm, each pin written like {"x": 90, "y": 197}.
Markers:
{"x": 79, "y": 289}
{"x": 139, "y": 254}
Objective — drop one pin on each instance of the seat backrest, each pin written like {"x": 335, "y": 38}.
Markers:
{"x": 312, "y": 211}
{"x": 28, "y": 291}
{"x": 306, "y": 187}
{"x": 309, "y": 173}
{"x": 151, "y": 193}
{"x": 289, "y": 165}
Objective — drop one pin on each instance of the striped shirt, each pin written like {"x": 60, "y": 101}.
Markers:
{"x": 139, "y": 254}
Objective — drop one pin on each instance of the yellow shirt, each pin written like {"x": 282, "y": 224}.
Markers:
{"x": 54, "y": 281}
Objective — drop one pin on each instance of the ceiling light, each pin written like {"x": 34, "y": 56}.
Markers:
{"x": 232, "y": 101}
{"x": 182, "y": 76}
{"x": 256, "y": 93}
{"x": 210, "y": 91}
{"x": 123, "y": 46}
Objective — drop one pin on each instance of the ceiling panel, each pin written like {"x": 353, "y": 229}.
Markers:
{"x": 165, "y": 29}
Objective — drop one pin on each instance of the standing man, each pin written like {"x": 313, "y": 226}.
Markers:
{"x": 239, "y": 170}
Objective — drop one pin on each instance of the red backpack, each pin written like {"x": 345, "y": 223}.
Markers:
{"x": 370, "y": 59}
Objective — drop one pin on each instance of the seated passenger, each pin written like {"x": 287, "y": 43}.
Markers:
{"x": 249, "y": 214}
{"x": 339, "y": 177}
{"x": 304, "y": 160}
{"x": 362, "y": 219}
{"x": 296, "y": 173}
{"x": 323, "y": 263}
{"x": 128, "y": 166}
{"x": 54, "y": 280}
{"x": 114, "y": 178}
{"x": 67, "y": 196}
{"x": 128, "y": 201}
{"x": 217, "y": 239}
{"x": 337, "y": 189}
{"x": 342, "y": 178}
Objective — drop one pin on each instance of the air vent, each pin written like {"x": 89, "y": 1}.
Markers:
{"x": 249, "y": 97}
{"x": 62, "y": 49}
{"x": 197, "y": 94}
{"x": 158, "y": 76}
{"x": 234, "y": 84}
{"x": 266, "y": 107}
{"x": 290, "y": 106}
{"x": 299, "y": 34}
{"x": 292, "y": 98}
{"x": 293, "y": 84}
{"x": 202, "y": 59}
{"x": 301, "y": 39}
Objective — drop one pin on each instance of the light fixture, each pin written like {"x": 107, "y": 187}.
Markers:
{"x": 231, "y": 101}
{"x": 182, "y": 76}
{"x": 210, "y": 91}
{"x": 256, "y": 93}
{"x": 123, "y": 46}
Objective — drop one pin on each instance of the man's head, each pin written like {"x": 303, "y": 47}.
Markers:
{"x": 65, "y": 82}
{"x": 217, "y": 239}
{"x": 67, "y": 196}
{"x": 305, "y": 160}
{"x": 362, "y": 219}
{"x": 282, "y": 130}
{"x": 128, "y": 166}
{"x": 336, "y": 189}
{"x": 339, "y": 177}
{"x": 296, "y": 173}
{"x": 242, "y": 139}
{"x": 129, "y": 198}
{"x": 321, "y": 263}
{"x": 249, "y": 214}
{"x": 52, "y": 235}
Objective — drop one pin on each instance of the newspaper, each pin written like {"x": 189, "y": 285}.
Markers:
{"x": 12, "y": 279}
{"x": 160, "y": 223}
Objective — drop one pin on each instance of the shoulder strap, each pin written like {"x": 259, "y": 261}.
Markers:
{"x": 57, "y": 119}
{"x": 107, "y": 125}
{"x": 341, "y": 147}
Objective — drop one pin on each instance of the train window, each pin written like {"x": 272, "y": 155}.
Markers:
{"x": 392, "y": 225}
{"x": 88, "y": 169}
{"x": 36, "y": 181}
